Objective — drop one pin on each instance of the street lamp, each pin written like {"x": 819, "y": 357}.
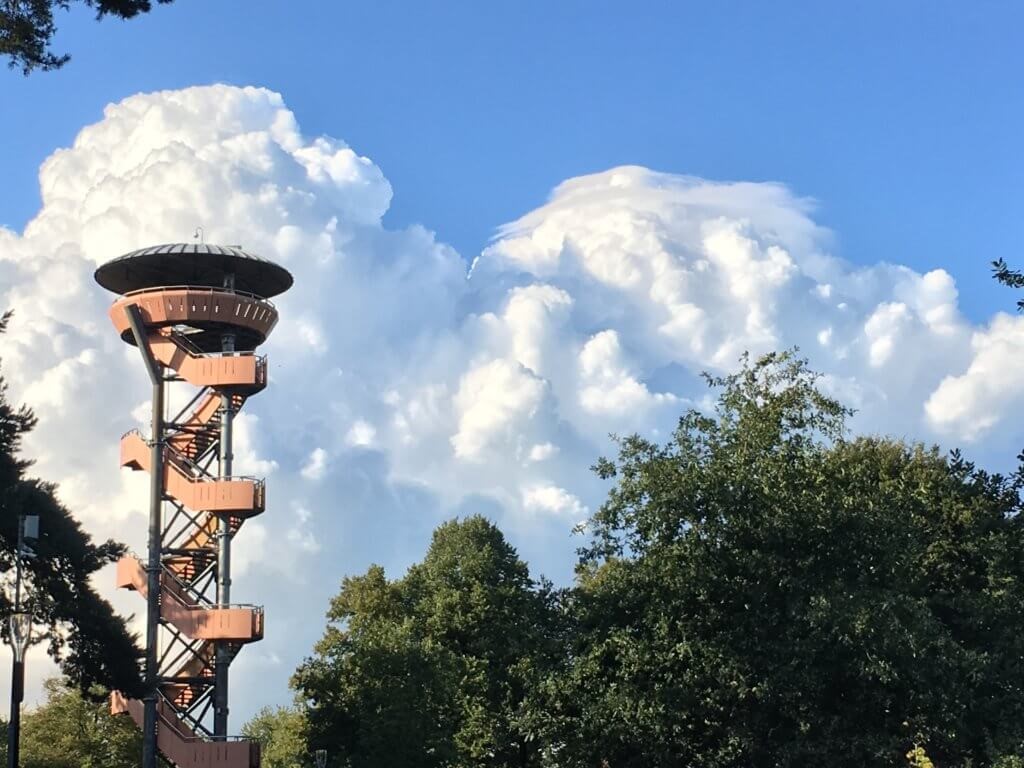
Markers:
{"x": 21, "y": 631}
{"x": 320, "y": 756}
{"x": 21, "y": 634}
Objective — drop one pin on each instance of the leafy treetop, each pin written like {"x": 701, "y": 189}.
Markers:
{"x": 765, "y": 591}
{"x": 82, "y": 631}
{"x": 27, "y": 28}
{"x": 434, "y": 669}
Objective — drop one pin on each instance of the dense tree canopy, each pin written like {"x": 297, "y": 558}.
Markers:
{"x": 80, "y": 628}
{"x": 281, "y": 732}
{"x": 69, "y": 730}
{"x": 763, "y": 591}
{"x": 27, "y": 28}
{"x": 434, "y": 669}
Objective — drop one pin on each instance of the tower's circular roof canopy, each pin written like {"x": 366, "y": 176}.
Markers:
{"x": 198, "y": 264}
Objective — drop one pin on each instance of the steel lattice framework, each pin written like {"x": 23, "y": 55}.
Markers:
{"x": 197, "y": 313}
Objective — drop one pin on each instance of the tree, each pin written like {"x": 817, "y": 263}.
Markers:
{"x": 281, "y": 733}
{"x": 434, "y": 669}
{"x": 27, "y": 28}
{"x": 1011, "y": 278}
{"x": 764, "y": 591}
{"x": 82, "y": 631}
{"x": 71, "y": 731}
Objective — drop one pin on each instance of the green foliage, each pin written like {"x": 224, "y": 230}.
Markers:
{"x": 1011, "y": 278}
{"x": 27, "y": 28}
{"x": 281, "y": 733}
{"x": 918, "y": 758}
{"x": 762, "y": 591}
{"x": 434, "y": 669}
{"x": 80, "y": 628}
{"x": 70, "y": 731}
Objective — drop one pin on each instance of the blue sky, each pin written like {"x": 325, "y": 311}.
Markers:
{"x": 388, "y": 146}
{"x": 902, "y": 119}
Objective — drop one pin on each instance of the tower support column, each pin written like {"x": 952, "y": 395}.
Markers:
{"x": 156, "y": 497}
{"x": 222, "y": 653}
{"x": 153, "y": 565}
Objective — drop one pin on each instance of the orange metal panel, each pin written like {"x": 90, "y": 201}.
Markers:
{"x": 182, "y": 747}
{"x": 194, "y": 306}
{"x": 239, "y": 497}
{"x": 209, "y": 371}
{"x": 239, "y": 624}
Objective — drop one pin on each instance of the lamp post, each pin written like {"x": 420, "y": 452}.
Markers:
{"x": 21, "y": 627}
{"x": 21, "y": 632}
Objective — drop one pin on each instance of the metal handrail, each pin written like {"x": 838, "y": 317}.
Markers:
{"x": 247, "y": 606}
{"x": 164, "y": 570}
{"x": 181, "y": 417}
{"x": 256, "y": 609}
{"x": 183, "y": 341}
{"x": 198, "y": 289}
{"x": 195, "y": 351}
{"x": 175, "y": 724}
{"x": 179, "y": 458}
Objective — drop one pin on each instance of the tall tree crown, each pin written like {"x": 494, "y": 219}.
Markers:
{"x": 765, "y": 590}
{"x": 81, "y": 630}
{"x": 27, "y": 28}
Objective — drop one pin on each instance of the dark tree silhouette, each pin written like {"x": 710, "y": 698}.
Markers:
{"x": 766, "y": 590}
{"x": 83, "y": 633}
{"x": 1009, "y": 277}
{"x": 27, "y": 28}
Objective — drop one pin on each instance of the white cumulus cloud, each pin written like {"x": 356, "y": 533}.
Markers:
{"x": 314, "y": 467}
{"x": 970, "y": 403}
{"x": 494, "y": 400}
{"x": 542, "y": 451}
{"x": 490, "y": 389}
{"x": 551, "y": 499}
{"x": 361, "y": 433}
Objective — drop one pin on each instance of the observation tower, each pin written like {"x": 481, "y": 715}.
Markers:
{"x": 197, "y": 313}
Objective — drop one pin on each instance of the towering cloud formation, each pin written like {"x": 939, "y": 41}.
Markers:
{"x": 408, "y": 386}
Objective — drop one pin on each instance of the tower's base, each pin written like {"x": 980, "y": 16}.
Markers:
{"x": 183, "y": 748}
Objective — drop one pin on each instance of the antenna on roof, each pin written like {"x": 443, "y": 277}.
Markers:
{"x": 198, "y": 235}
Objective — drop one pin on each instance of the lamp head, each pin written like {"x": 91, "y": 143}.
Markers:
{"x": 21, "y": 634}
